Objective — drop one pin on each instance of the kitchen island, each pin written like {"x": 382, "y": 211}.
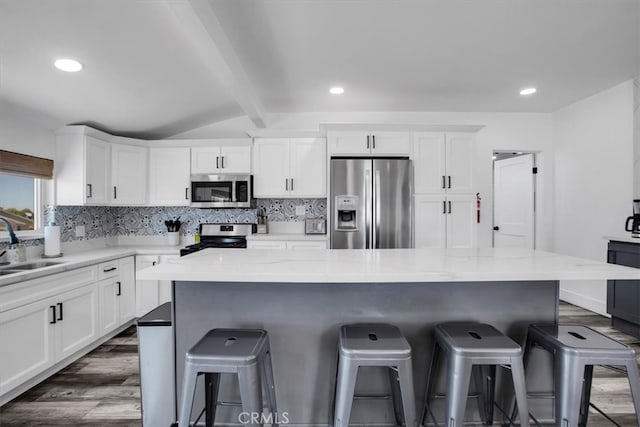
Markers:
{"x": 302, "y": 297}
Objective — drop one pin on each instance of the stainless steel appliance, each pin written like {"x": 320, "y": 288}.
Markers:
{"x": 221, "y": 191}
{"x": 220, "y": 236}
{"x": 315, "y": 226}
{"x": 633, "y": 222}
{"x": 371, "y": 205}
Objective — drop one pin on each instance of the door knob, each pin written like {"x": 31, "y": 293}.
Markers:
{"x": 496, "y": 228}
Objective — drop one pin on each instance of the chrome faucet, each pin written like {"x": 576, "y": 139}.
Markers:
{"x": 13, "y": 240}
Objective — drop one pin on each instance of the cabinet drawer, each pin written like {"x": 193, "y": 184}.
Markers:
{"x": 108, "y": 269}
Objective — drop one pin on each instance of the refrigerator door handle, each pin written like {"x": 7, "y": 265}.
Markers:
{"x": 368, "y": 214}
{"x": 376, "y": 203}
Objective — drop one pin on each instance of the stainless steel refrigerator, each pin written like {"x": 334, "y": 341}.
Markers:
{"x": 371, "y": 205}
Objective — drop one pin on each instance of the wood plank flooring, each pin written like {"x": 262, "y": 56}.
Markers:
{"x": 102, "y": 388}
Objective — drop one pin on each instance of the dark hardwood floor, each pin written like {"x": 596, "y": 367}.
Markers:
{"x": 102, "y": 388}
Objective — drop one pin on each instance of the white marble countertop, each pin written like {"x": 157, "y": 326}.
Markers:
{"x": 83, "y": 259}
{"x": 624, "y": 238}
{"x": 283, "y": 236}
{"x": 383, "y": 266}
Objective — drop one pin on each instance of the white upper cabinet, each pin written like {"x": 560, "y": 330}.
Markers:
{"x": 444, "y": 221}
{"x": 461, "y": 221}
{"x": 169, "y": 170}
{"x": 284, "y": 167}
{"x": 369, "y": 143}
{"x": 221, "y": 159}
{"x": 82, "y": 168}
{"x": 443, "y": 162}
{"x": 128, "y": 175}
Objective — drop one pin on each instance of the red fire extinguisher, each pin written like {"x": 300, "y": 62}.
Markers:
{"x": 478, "y": 207}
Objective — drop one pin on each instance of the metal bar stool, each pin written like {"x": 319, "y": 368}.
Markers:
{"x": 576, "y": 349}
{"x": 244, "y": 352}
{"x": 466, "y": 345}
{"x": 374, "y": 345}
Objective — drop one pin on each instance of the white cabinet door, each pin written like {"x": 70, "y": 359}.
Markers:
{"x": 308, "y": 167}
{"x": 146, "y": 290}
{"x": 164, "y": 286}
{"x": 96, "y": 171}
{"x": 390, "y": 143}
{"x": 109, "y": 305}
{"x": 266, "y": 244}
{"x": 271, "y": 167}
{"x": 169, "y": 171}
{"x": 27, "y": 343}
{"x": 77, "y": 320}
{"x": 461, "y": 226}
{"x": 205, "y": 160}
{"x": 235, "y": 159}
{"x": 306, "y": 244}
{"x": 430, "y": 221}
{"x": 126, "y": 290}
{"x": 459, "y": 163}
{"x": 350, "y": 142}
{"x": 429, "y": 174}
{"x": 128, "y": 175}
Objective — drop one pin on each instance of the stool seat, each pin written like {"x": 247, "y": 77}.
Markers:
{"x": 373, "y": 340}
{"x": 577, "y": 337}
{"x": 236, "y": 347}
{"x": 475, "y": 340}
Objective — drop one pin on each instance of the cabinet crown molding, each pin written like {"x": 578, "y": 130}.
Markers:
{"x": 327, "y": 127}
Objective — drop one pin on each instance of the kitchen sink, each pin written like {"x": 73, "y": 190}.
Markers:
{"x": 33, "y": 265}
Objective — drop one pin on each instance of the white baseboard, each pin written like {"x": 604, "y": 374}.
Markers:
{"x": 585, "y": 302}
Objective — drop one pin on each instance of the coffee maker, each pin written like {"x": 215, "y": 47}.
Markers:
{"x": 633, "y": 222}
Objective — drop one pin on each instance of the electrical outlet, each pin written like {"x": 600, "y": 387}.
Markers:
{"x": 300, "y": 210}
{"x": 79, "y": 230}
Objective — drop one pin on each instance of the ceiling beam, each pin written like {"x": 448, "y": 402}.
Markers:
{"x": 201, "y": 25}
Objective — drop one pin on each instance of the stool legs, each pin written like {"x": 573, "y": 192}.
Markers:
{"x": 405, "y": 377}
{"x": 267, "y": 370}
{"x": 189, "y": 381}
{"x": 428, "y": 390}
{"x": 569, "y": 374}
{"x": 519, "y": 386}
{"x": 634, "y": 384}
{"x": 586, "y": 395}
{"x": 458, "y": 378}
{"x": 250, "y": 391}
{"x": 345, "y": 388}
{"x": 211, "y": 386}
{"x": 396, "y": 395}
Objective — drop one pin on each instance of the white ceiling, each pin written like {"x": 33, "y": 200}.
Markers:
{"x": 155, "y": 68}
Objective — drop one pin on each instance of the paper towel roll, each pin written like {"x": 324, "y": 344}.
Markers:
{"x": 52, "y": 240}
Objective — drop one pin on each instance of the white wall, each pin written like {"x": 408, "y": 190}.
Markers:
{"x": 23, "y": 131}
{"x": 593, "y": 141}
{"x": 503, "y": 131}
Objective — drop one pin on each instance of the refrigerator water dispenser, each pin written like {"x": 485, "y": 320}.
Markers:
{"x": 346, "y": 213}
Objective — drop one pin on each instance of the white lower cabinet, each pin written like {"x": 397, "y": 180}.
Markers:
{"x": 76, "y": 320}
{"x": 287, "y": 244}
{"x": 444, "y": 222}
{"x": 151, "y": 293}
{"x": 117, "y": 297}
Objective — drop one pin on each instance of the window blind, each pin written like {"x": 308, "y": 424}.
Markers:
{"x": 21, "y": 164}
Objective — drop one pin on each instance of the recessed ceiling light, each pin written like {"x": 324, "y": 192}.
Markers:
{"x": 336, "y": 90}
{"x": 528, "y": 91}
{"x": 68, "y": 65}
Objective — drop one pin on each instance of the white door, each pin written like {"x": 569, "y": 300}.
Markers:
{"x": 146, "y": 290}
{"x": 459, "y": 162}
{"x": 128, "y": 175}
{"x": 308, "y": 167}
{"x": 271, "y": 167}
{"x": 390, "y": 143}
{"x": 27, "y": 343}
{"x": 97, "y": 171}
{"x": 235, "y": 159}
{"x": 169, "y": 170}
{"x": 461, "y": 221}
{"x": 429, "y": 175}
{"x": 126, "y": 290}
{"x": 513, "y": 183}
{"x": 77, "y": 320}
{"x": 205, "y": 160}
{"x": 109, "y": 305}
{"x": 430, "y": 221}
{"x": 350, "y": 142}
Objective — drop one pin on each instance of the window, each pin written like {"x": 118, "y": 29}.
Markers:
{"x": 19, "y": 202}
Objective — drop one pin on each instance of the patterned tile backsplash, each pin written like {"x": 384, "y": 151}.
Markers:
{"x": 106, "y": 221}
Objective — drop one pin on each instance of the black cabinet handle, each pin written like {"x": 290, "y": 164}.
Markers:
{"x": 449, "y": 206}
{"x": 286, "y": 184}
{"x": 222, "y": 162}
{"x": 60, "y": 308}
{"x": 449, "y": 181}
{"x": 110, "y": 269}
{"x": 444, "y": 207}
{"x": 53, "y": 312}
{"x": 373, "y": 138}
{"x": 291, "y": 184}
{"x": 119, "y": 289}
{"x": 444, "y": 185}
{"x": 186, "y": 193}
{"x": 368, "y": 142}
{"x": 496, "y": 228}
{"x": 115, "y": 192}
{"x": 90, "y": 192}
{"x": 217, "y": 162}
{"x": 154, "y": 263}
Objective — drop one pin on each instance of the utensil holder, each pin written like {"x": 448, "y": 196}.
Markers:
{"x": 173, "y": 238}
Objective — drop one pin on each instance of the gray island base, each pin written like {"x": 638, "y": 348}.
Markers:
{"x": 303, "y": 320}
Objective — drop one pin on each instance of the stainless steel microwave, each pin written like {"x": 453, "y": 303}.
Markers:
{"x": 221, "y": 191}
